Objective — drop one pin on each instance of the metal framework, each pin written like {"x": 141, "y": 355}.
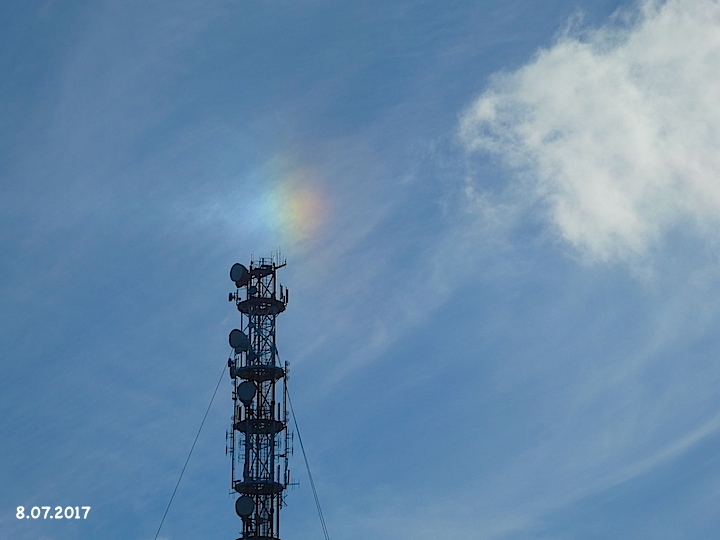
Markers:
{"x": 259, "y": 442}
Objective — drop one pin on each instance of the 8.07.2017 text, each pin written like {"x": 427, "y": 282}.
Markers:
{"x": 43, "y": 512}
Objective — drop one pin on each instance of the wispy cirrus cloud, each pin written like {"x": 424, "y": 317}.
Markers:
{"x": 615, "y": 130}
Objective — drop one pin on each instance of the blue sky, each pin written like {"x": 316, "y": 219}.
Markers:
{"x": 500, "y": 221}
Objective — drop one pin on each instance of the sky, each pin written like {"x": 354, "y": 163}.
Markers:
{"x": 501, "y": 227}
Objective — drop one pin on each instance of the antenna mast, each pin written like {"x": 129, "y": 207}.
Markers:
{"x": 259, "y": 441}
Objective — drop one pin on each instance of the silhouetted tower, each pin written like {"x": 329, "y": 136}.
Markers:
{"x": 259, "y": 441}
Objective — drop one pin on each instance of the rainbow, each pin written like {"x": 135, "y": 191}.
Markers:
{"x": 290, "y": 205}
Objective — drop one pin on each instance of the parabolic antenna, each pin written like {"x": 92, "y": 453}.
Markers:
{"x": 246, "y": 392}
{"x": 244, "y": 506}
{"x": 239, "y": 274}
{"x": 239, "y": 341}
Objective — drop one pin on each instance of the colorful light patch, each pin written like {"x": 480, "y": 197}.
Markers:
{"x": 295, "y": 207}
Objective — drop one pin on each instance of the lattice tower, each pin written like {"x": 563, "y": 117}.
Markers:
{"x": 259, "y": 441}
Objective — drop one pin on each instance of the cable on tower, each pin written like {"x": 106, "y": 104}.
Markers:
{"x": 191, "y": 451}
{"x": 307, "y": 466}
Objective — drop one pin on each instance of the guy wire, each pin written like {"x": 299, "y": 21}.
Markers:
{"x": 191, "y": 450}
{"x": 307, "y": 466}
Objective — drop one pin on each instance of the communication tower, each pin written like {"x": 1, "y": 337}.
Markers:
{"x": 259, "y": 441}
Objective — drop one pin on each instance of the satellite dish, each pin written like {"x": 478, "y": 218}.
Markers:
{"x": 244, "y": 506}
{"x": 239, "y": 274}
{"x": 239, "y": 341}
{"x": 246, "y": 392}
{"x": 252, "y": 289}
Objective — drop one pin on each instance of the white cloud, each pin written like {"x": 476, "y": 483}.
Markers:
{"x": 617, "y": 131}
